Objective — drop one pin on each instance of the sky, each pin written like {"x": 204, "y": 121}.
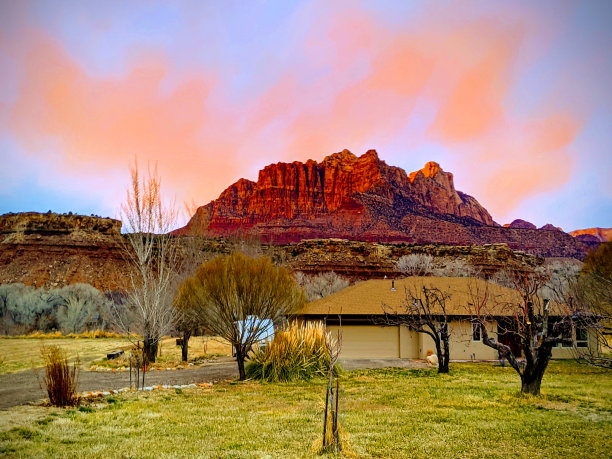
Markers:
{"x": 513, "y": 98}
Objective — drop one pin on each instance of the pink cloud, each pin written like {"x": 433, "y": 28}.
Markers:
{"x": 368, "y": 80}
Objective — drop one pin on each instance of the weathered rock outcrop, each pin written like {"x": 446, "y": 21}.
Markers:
{"x": 362, "y": 198}
{"x": 597, "y": 234}
{"x": 550, "y": 227}
{"x": 520, "y": 224}
{"x": 53, "y": 250}
{"x": 366, "y": 260}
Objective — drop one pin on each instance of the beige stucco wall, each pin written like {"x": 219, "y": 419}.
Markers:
{"x": 461, "y": 344}
{"x": 373, "y": 341}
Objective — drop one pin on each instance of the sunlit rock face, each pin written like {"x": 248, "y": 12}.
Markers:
{"x": 593, "y": 234}
{"x": 363, "y": 198}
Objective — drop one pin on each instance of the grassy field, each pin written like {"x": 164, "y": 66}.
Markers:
{"x": 18, "y": 354}
{"x": 476, "y": 411}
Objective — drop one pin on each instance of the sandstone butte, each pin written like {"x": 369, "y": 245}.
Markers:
{"x": 363, "y": 198}
{"x": 53, "y": 250}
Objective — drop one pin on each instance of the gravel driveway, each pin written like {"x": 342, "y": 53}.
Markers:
{"x": 24, "y": 387}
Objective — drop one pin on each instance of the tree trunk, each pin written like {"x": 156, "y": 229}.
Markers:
{"x": 531, "y": 379}
{"x": 149, "y": 349}
{"x": 442, "y": 366}
{"x": 531, "y": 384}
{"x": 185, "y": 345}
{"x": 444, "y": 359}
{"x": 240, "y": 359}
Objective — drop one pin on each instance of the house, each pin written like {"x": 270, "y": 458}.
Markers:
{"x": 361, "y": 308}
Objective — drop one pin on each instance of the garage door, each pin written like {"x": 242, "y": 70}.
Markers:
{"x": 368, "y": 341}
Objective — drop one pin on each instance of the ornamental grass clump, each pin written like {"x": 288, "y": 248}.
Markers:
{"x": 297, "y": 353}
{"x": 60, "y": 378}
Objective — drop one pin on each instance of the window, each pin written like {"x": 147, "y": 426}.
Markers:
{"x": 476, "y": 332}
{"x": 567, "y": 335}
{"x": 582, "y": 337}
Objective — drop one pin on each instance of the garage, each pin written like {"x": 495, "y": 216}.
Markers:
{"x": 368, "y": 341}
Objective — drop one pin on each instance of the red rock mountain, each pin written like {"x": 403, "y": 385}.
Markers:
{"x": 595, "y": 234}
{"x": 362, "y": 198}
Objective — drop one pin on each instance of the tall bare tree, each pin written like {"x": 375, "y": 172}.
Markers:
{"x": 528, "y": 323}
{"x": 154, "y": 258}
{"x": 424, "y": 310}
{"x": 237, "y": 298}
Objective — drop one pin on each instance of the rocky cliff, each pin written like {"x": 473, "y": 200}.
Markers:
{"x": 363, "y": 198}
{"x": 53, "y": 250}
{"x": 594, "y": 234}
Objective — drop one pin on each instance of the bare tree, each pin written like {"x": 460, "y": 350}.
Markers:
{"x": 415, "y": 264}
{"x": 528, "y": 323}
{"x": 154, "y": 258}
{"x": 321, "y": 285}
{"x": 595, "y": 287}
{"x": 425, "y": 311}
{"x": 81, "y": 306}
{"x": 239, "y": 298}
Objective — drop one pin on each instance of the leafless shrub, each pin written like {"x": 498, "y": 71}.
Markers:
{"x": 321, "y": 285}
{"x": 503, "y": 278}
{"x": 455, "y": 267}
{"x": 60, "y": 378}
{"x": 415, "y": 264}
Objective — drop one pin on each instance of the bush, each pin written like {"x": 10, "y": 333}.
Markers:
{"x": 60, "y": 379}
{"x": 415, "y": 264}
{"x": 321, "y": 285}
{"x": 73, "y": 309}
{"x": 295, "y": 353}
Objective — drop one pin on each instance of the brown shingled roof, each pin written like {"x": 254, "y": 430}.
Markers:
{"x": 368, "y": 297}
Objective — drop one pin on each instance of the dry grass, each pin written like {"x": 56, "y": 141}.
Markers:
{"x": 476, "y": 411}
{"x": 201, "y": 349}
{"x": 24, "y": 354}
{"x": 86, "y": 334}
{"x": 60, "y": 379}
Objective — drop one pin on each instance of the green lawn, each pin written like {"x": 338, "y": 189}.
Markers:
{"x": 476, "y": 411}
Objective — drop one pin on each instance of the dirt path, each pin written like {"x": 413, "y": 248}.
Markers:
{"x": 23, "y": 387}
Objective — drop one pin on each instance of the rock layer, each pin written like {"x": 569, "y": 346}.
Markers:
{"x": 53, "y": 250}
{"x": 597, "y": 234}
{"x": 363, "y": 198}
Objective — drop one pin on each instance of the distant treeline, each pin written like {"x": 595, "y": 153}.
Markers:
{"x": 71, "y": 309}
